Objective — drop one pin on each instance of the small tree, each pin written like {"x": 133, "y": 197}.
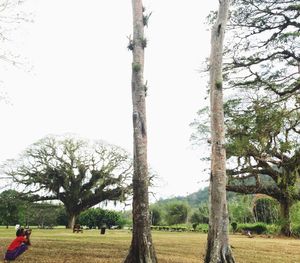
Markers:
{"x": 176, "y": 213}
{"x": 240, "y": 209}
{"x": 62, "y": 218}
{"x": 156, "y": 215}
{"x": 97, "y": 217}
{"x": 43, "y": 215}
{"x": 9, "y": 207}
{"x": 79, "y": 173}
{"x": 88, "y": 218}
{"x": 201, "y": 216}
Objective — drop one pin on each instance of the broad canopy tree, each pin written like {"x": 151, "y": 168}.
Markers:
{"x": 262, "y": 123}
{"x": 263, "y": 150}
{"x": 80, "y": 173}
{"x": 263, "y": 59}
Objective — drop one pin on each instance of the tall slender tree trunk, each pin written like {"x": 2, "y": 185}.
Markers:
{"x": 218, "y": 249}
{"x": 285, "y": 217}
{"x": 142, "y": 248}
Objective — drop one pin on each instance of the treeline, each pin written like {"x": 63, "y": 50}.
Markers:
{"x": 243, "y": 209}
{"x": 14, "y": 211}
{"x": 178, "y": 213}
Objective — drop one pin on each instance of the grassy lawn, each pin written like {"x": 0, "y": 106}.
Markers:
{"x": 61, "y": 245}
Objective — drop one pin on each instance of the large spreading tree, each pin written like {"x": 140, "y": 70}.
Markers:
{"x": 262, "y": 70}
{"x": 263, "y": 64}
{"x": 263, "y": 150}
{"x": 79, "y": 173}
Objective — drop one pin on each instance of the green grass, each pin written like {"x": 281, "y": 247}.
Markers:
{"x": 61, "y": 245}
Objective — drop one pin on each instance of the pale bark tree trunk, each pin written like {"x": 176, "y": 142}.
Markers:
{"x": 142, "y": 248}
{"x": 71, "y": 220}
{"x": 218, "y": 249}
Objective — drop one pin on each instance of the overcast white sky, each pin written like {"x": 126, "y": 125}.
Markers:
{"x": 80, "y": 81}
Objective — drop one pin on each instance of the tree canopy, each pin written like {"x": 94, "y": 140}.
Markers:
{"x": 263, "y": 121}
{"x": 263, "y": 48}
{"x": 80, "y": 173}
{"x": 263, "y": 149}
{"x": 261, "y": 70}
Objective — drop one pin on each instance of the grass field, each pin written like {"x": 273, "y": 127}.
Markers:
{"x": 61, "y": 245}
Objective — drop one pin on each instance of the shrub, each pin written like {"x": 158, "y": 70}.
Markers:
{"x": 234, "y": 226}
{"x": 296, "y": 230}
{"x": 258, "y": 228}
{"x": 273, "y": 229}
{"x": 176, "y": 213}
{"x": 202, "y": 228}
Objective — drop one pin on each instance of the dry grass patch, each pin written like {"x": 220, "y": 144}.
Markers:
{"x": 63, "y": 246}
{"x": 265, "y": 250}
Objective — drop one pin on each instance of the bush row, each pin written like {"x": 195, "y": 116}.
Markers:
{"x": 170, "y": 228}
{"x": 182, "y": 228}
{"x": 258, "y": 228}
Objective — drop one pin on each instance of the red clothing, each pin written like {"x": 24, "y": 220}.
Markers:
{"x": 18, "y": 241}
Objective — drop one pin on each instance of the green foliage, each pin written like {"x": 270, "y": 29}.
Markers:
{"x": 295, "y": 213}
{"x": 202, "y": 228}
{"x": 172, "y": 228}
{"x": 43, "y": 214}
{"x": 196, "y": 219}
{"x": 131, "y": 43}
{"x": 156, "y": 215}
{"x": 201, "y": 216}
{"x": 219, "y": 85}
{"x": 97, "y": 217}
{"x": 273, "y": 229}
{"x": 144, "y": 42}
{"x": 62, "y": 217}
{"x": 136, "y": 67}
{"x": 176, "y": 213}
{"x": 234, "y": 226}
{"x": 266, "y": 210}
{"x": 244, "y": 210}
{"x": 259, "y": 228}
{"x": 240, "y": 209}
{"x": 9, "y": 207}
{"x": 146, "y": 18}
{"x": 296, "y": 230}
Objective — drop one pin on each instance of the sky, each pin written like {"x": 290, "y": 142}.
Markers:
{"x": 76, "y": 78}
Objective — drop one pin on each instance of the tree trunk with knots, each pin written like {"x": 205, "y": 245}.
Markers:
{"x": 218, "y": 249}
{"x": 142, "y": 248}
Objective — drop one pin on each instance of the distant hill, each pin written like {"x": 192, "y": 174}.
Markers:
{"x": 194, "y": 199}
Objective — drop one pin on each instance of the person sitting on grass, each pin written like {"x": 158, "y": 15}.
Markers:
{"x": 19, "y": 245}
